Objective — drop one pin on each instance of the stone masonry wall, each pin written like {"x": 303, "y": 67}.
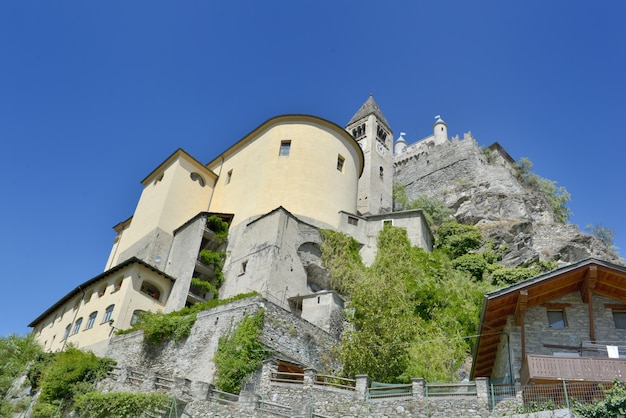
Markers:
{"x": 289, "y": 336}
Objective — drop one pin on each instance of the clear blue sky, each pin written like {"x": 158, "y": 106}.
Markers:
{"x": 94, "y": 95}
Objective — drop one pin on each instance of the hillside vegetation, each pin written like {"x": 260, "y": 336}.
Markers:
{"x": 414, "y": 313}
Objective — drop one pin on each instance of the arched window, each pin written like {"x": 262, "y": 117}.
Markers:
{"x": 77, "y": 325}
{"x": 108, "y": 313}
{"x": 67, "y": 331}
{"x": 151, "y": 290}
{"x": 91, "y": 320}
{"x": 133, "y": 319}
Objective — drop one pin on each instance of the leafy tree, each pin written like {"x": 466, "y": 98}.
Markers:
{"x": 458, "y": 239}
{"x": 603, "y": 233}
{"x": 435, "y": 210}
{"x": 340, "y": 255}
{"x": 383, "y": 318}
{"x": 16, "y": 352}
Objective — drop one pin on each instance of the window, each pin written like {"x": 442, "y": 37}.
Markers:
{"x": 352, "y": 220}
{"x": 556, "y": 319}
{"x": 387, "y": 222}
{"x": 67, "y": 331}
{"x": 340, "y": 161}
{"x": 197, "y": 177}
{"x": 150, "y": 290}
{"x": 381, "y": 171}
{"x": 135, "y": 317}
{"x": 77, "y": 325}
{"x": 285, "y": 147}
{"x": 91, "y": 320}
{"x": 243, "y": 267}
{"x": 229, "y": 176}
{"x": 620, "y": 319}
{"x": 108, "y": 313}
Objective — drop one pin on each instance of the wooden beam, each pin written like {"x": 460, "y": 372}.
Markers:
{"x": 522, "y": 305}
{"x": 591, "y": 278}
{"x": 520, "y": 311}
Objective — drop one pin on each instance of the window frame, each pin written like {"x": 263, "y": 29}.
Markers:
{"x": 551, "y": 319}
{"x": 285, "y": 148}
{"x": 108, "y": 312}
{"x": 91, "y": 320}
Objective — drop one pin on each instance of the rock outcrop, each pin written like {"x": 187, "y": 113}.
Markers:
{"x": 482, "y": 188}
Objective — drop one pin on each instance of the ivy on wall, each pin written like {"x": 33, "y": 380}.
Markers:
{"x": 240, "y": 353}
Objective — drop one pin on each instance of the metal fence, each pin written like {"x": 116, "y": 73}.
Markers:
{"x": 549, "y": 396}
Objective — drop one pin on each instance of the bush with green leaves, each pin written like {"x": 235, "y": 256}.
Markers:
{"x": 435, "y": 210}
{"x": 407, "y": 306}
{"x": 612, "y": 406}
{"x": 218, "y": 225}
{"x": 240, "y": 353}
{"x": 121, "y": 404}
{"x": 458, "y": 239}
{"x": 16, "y": 352}
{"x": 159, "y": 327}
{"x": 340, "y": 255}
{"x": 69, "y": 374}
{"x": 557, "y": 196}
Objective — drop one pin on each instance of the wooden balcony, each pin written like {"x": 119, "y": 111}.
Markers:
{"x": 547, "y": 369}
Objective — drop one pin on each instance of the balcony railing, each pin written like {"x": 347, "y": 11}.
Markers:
{"x": 549, "y": 368}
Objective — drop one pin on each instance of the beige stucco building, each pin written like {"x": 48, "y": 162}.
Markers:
{"x": 275, "y": 187}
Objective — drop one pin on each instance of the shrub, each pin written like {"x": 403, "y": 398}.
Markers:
{"x": 458, "y": 239}
{"x": 217, "y": 225}
{"x": 557, "y": 197}
{"x": 121, "y": 404}
{"x": 239, "y": 354}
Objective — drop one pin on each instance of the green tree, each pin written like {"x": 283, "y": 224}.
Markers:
{"x": 16, "y": 352}
{"x": 603, "y": 233}
{"x": 435, "y": 210}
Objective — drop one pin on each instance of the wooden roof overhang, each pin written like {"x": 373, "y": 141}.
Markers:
{"x": 587, "y": 276}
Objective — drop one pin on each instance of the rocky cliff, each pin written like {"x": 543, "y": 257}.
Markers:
{"x": 480, "y": 185}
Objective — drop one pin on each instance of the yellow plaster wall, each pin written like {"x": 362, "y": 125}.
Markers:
{"x": 165, "y": 203}
{"x": 97, "y": 297}
{"x": 306, "y": 182}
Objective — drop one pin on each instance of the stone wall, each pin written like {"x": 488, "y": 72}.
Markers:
{"x": 286, "y": 334}
{"x": 484, "y": 190}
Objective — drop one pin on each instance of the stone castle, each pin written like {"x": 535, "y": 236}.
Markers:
{"x": 276, "y": 188}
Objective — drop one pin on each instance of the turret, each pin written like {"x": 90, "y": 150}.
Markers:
{"x": 440, "y": 130}
{"x": 400, "y": 144}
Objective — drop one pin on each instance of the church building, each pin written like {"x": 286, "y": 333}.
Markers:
{"x": 275, "y": 188}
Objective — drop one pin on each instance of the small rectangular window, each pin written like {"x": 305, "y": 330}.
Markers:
{"x": 556, "y": 319}
{"x": 229, "y": 176}
{"x": 285, "y": 147}
{"x": 243, "y": 267}
{"x": 340, "y": 161}
{"x": 620, "y": 319}
{"x": 352, "y": 220}
{"x": 387, "y": 222}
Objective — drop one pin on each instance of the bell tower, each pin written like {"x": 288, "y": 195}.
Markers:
{"x": 371, "y": 130}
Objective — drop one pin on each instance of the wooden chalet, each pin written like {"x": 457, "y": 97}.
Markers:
{"x": 568, "y": 324}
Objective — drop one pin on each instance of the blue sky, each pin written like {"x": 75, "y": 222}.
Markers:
{"x": 94, "y": 95}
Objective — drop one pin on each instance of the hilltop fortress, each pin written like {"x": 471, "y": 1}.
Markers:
{"x": 276, "y": 188}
